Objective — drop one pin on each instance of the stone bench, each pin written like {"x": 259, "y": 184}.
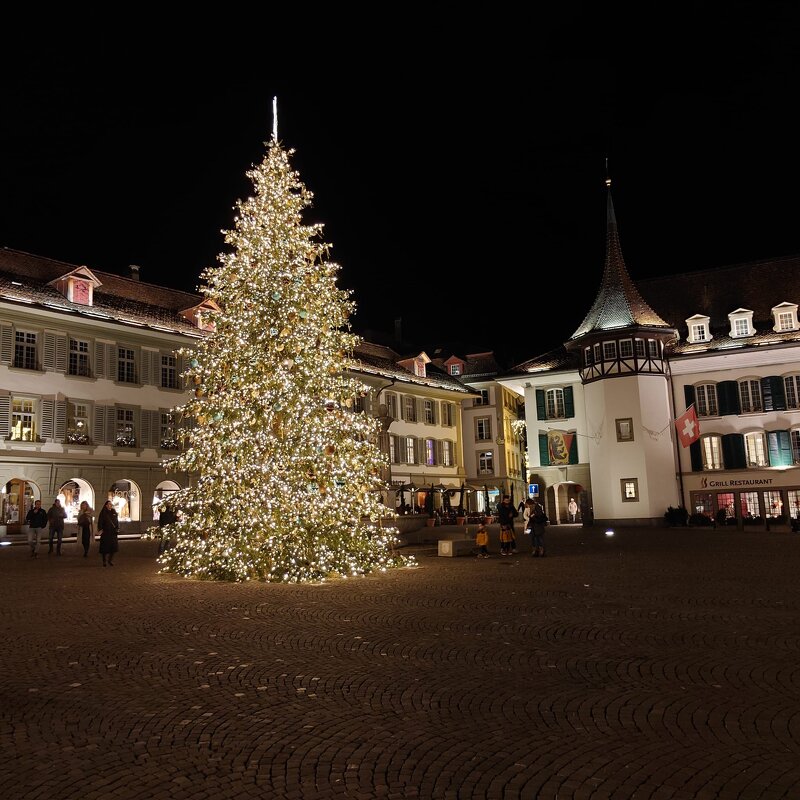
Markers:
{"x": 456, "y": 547}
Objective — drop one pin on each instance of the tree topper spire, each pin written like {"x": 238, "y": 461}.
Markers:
{"x": 275, "y": 119}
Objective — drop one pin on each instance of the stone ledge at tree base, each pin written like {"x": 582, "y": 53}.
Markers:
{"x": 456, "y": 547}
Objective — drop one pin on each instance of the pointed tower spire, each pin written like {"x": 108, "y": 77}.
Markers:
{"x": 618, "y": 303}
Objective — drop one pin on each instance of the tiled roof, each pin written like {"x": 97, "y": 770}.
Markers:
{"x": 618, "y": 303}
{"x": 25, "y": 278}
{"x": 556, "y": 360}
{"x": 756, "y": 285}
{"x": 379, "y": 360}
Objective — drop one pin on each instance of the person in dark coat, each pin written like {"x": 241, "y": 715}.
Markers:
{"x": 86, "y": 526}
{"x": 36, "y": 519}
{"x": 506, "y": 513}
{"x": 55, "y": 520}
{"x": 166, "y": 517}
{"x": 108, "y": 526}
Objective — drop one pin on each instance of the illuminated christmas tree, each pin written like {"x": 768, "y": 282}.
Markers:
{"x": 286, "y": 475}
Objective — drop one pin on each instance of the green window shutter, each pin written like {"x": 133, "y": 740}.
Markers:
{"x": 780, "y": 448}
{"x": 696, "y": 456}
{"x": 733, "y": 452}
{"x": 573, "y": 450}
{"x": 544, "y": 450}
{"x": 569, "y": 403}
{"x": 728, "y": 397}
{"x": 540, "y": 409}
{"x": 773, "y": 393}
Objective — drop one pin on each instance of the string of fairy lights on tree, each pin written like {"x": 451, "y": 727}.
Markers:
{"x": 286, "y": 476}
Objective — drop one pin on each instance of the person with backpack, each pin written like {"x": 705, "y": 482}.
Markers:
{"x": 537, "y": 520}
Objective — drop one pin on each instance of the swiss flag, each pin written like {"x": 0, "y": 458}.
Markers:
{"x": 688, "y": 427}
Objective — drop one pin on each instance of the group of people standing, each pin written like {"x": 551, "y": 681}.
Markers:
{"x": 534, "y": 518}
{"x": 37, "y": 519}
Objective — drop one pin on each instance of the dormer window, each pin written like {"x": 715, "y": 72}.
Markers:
{"x": 698, "y": 329}
{"x": 419, "y": 367}
{"x": 455, "y": 369}
{"x": 785, "y": 316}
{"x": 741, "y": 323}
{"x": 80, "y": 291}
{"x": 77, "y": 286}
{"x": 202, "y": 315}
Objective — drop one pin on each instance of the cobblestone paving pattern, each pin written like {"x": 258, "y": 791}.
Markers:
{"x": 658, "y": 664}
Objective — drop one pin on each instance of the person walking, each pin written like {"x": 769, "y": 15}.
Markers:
{"x": 573, "y": 510}
{"x": 36, "y": 519}
{"x": 166, "y": 517}
{"x": 86, "y": 525}
{"x": 506, "y": 513}
{"x": 482, "y": 540}
{"x": 108, "y": 525}
{"x": 537, "y": 521}
{"x": 55, "y": 521}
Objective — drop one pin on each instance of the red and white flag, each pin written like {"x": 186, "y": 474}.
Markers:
{"x": 688, "y": 427}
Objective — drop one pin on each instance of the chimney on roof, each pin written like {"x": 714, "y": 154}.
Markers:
{"x": 398, "y": 329}
{"x": 135, "y": 272}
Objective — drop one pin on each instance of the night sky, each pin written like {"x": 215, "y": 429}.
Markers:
{"x": 457, "y": 163}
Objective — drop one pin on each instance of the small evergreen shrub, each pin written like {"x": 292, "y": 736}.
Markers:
{"x": 677, "y": 517}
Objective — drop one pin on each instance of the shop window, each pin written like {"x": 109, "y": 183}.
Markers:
{"x": 773, "y": 505}
{"x": 748, "y": 502}
{"x": 78, "y": 423}
{"x": 486, "y": 463}
{"x": 169, "y": 372}
{"x": 447, "y": 453}
{"x": 706, "y": 400}
{"x": 168, "y": 432}
{"x": 25, "y": 350}
{"x": 483, "y": 429}
{"x": 711, "y": 449}
{"x": 125, "y": 431}
{"x": 23, "y": 420}
{"x": 750, "y": 396}
{"x": 554, "y": 400}
{"x": 629, "y": 488}
{"x": 79, "y": 358}
{"x": 624, "y": 429}
{"x": 411, "y": 450}
{"x": 430, "y": 452}
{"x": 756, "y": 450}
{"x": 125, "y": 497}
{"x": 791, "y": 385}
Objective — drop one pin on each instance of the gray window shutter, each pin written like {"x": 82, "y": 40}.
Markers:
{"x": 151, "y": 368}
{"x": 54, "y": 352}
{"x": 438, "y": 451}
{"x": 104, "y": 361}
{"x": 110, "y": 435}
{"x": 99, "y": 424}
{"x": 151, "y": 428}
{"x": 5, "y": 415}
{"x": 60, "y": 432}
{"x": 47, "y": 425}
{"x": 6, "y": 344}
{"x": 155, "y": 427}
